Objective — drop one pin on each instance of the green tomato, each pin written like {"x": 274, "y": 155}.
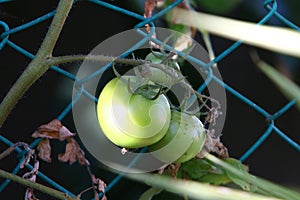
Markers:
{"x": 183, "y": 140}
{"x": 156, "y": 75}
{"x": 131, "y": 120}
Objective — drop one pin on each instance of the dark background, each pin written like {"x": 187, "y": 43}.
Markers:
{"x": 88, "y": 25}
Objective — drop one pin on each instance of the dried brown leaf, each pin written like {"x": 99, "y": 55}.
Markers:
{"x": 99, "y": 186}
{"x": 29, "y": 195}
{"x": 53, "y": 130}
{"x": 73, "y": 153}
{"x": 29, "y": 155}
{"x": 173, "y": 169}
{"x": 148, "y": 7}
{"x": 31, "y": 176}
{"x": 44, "y": 149}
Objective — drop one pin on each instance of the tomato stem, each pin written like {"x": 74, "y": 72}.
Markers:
{"x": 38, "y": 66}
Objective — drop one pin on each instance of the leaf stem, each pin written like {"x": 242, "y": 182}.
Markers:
{"x": 38, "y": 66}
{"x": 37, "y": 186}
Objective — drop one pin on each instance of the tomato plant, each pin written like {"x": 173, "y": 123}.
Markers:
{"x": 131, "y": 120}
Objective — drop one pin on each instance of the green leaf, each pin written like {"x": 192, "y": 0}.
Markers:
{"x": 285, "y": 85}
{"x": 148, "y": 194}
{"x": 245, "y": 185}
{"x": 218, "y": 6}
{"x": 203, "y": 171}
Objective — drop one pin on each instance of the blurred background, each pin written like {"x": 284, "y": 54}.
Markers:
{"x": 87, "y": 26}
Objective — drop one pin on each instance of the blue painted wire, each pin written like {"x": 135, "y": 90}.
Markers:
{"x": 28, "y": 24}
{"x": 159, "y": 14}
{"x": 207, "y": 81}
{"x": 121, "y": 175}
{"x": 20, "y": 49}
{"x": 4, "y": 1}
{"x": 279, "y": 16}
{"x": 287, "y": 139}
{"x": 128, "y": 52}
{"x": 283, "y": 110}
{"x": 51, "y": 182}
{"x": 239, "y": 42}
{"x": 242, "y": 98}
{"x": 31, "y": 56}
{"x": 118, "y": 9}
{"x": 40, "y": 174}
{"x": 15, "y": 171}
{"x": 69, "y": 107}
{"x": 258, "y": 143}
{"x": 3, "y": 39}
{"x": 182, "y": 54}
{"x": 64, "y": 72}
{"x": 272, "y": 12}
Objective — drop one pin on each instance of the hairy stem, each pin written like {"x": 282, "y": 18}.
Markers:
{"x": 38, "y": 66}
{"x": 37, "y": 186}
{"x": 93, "y": 58}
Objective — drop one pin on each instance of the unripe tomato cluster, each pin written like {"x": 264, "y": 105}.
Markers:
{"x": 132, "y": 121}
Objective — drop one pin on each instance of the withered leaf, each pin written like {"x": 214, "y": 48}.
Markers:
{"x": 30, "y": 153}
{"x": 29, "y": 195}
{"x": 44, "y": 149}
{"x": 53, "y": 130}
{"x": 73, "y": 153}
{"x": 31, "y": 176}
{"x": 99, "y": 186}
{"x": 148, "y": 7}
{"x": 173, "y": 169}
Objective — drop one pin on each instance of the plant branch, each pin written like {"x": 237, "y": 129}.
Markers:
{"x": 37, "y": 186}
{"x": 93, "y": 58}
{"x": 38, "y": 65}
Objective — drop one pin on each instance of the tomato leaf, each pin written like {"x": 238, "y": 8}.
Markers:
{"x": 237, "y": 179}
{"x": 31, "y": 176}
{"x": 53, "y": 130}
{"x": 149, "y": 7}
{"x": 44, "y": 149}
{"x": 203, "y": 171}
{"x": 73, "y": 153}
{"x": 150, "y": 193}
{"x": 100, "y": 186}
{"x": 29, "y": 195}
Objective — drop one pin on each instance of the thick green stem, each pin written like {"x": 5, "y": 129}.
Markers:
{"x": 37, "y": 186}
{"x": 38, "y": 65}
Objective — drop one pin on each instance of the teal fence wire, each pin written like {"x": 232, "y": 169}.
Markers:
{"x": 272, "y": 12}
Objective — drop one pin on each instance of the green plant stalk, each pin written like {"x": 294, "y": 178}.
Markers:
{"x": 282, "y": 40}
{"x": 93, "y": 58}
{"x": 207, "y": 42}
{"x": 194, "y": 189}
{"x": 264, "y": 185}
{"x": 37, "y": 186}
{"x": 38, "y": 66}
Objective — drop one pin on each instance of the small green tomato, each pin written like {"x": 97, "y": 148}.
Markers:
{"x": 183, "y": 140}
{"x": 156, "y": 75}
{"x": 130, "y": 120}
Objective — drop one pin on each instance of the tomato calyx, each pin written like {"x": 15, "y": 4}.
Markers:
{"x": 149, "y": 91}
